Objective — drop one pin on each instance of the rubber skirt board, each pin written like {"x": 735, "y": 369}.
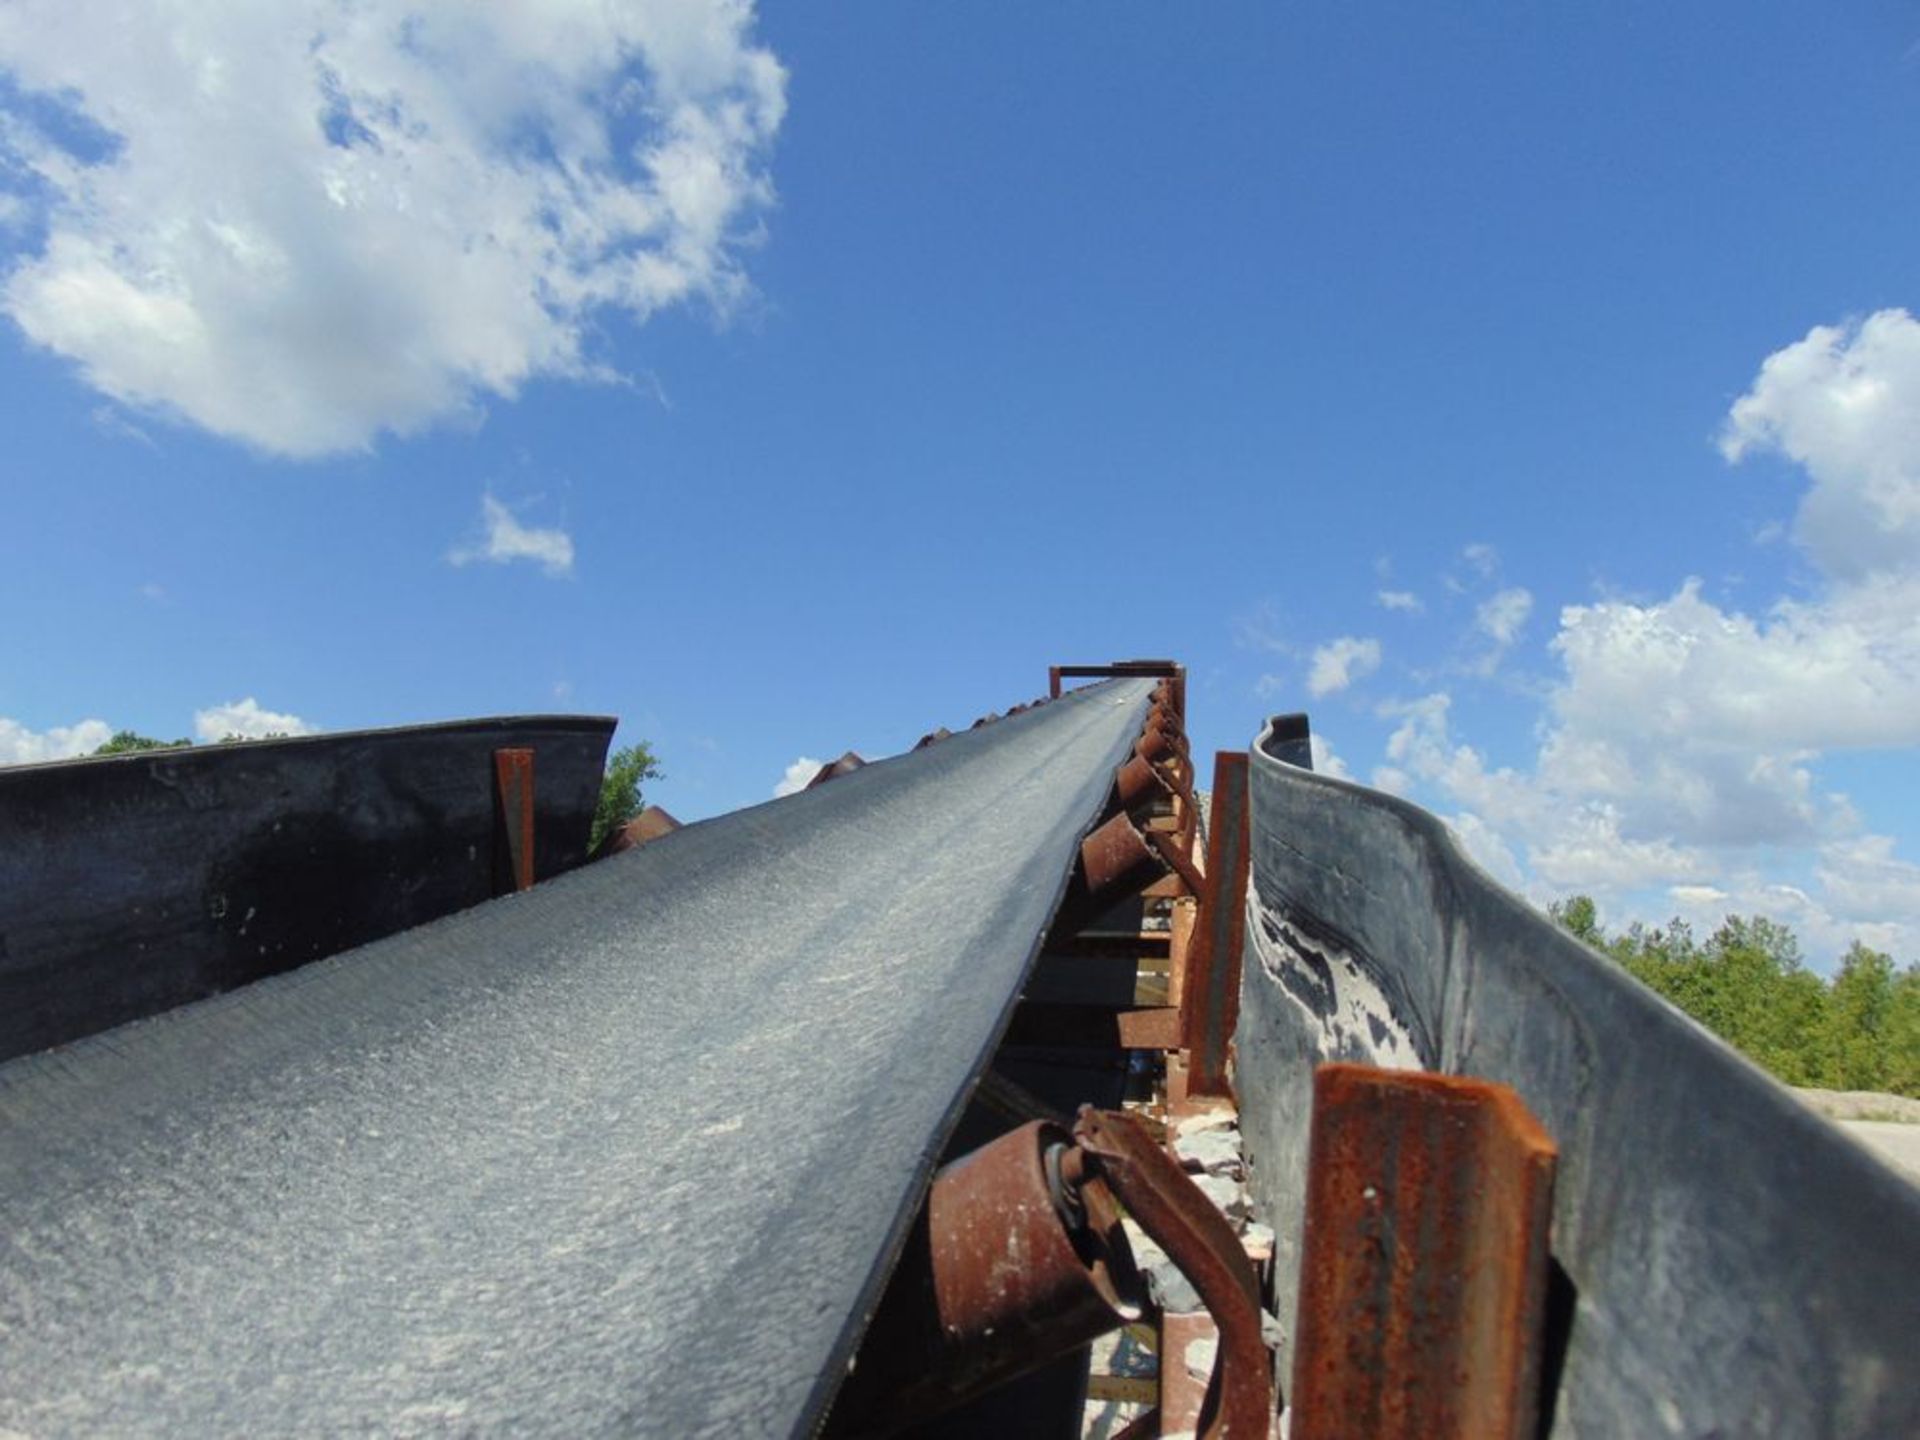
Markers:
{"x": 1725, "y": 1262}
{"x": 630, "y": 1152}
{"x": 134, "y": 883}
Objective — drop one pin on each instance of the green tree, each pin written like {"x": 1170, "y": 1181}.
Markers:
{"x": 1903, "y": 1034}
{"x": 627, "y": 770}
{"x": 127, "y": 742}
{"x": 1861, "y": 1020}
{"x": 1580, "y": 919}
{"x": 1746, "y": 982}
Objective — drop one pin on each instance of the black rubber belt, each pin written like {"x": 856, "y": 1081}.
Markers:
{"x": 627, "y": 1153}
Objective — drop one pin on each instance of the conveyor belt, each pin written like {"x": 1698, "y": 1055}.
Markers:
{"x": 1725, "y": 1261}
{"x": 132, "y": 884}
{"x": 629, "y": 1152}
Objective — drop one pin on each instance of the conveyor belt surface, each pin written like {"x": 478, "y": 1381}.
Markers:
{"x": 627, "y": 1153}
{"x": 1725, "y": 1262}
{"x": 134, "y": 883}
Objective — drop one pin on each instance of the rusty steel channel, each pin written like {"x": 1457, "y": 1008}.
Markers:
{"x": 1424, "y": 1266}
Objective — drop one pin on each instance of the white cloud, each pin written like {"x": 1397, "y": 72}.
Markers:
{"x": 1840, "y": 671}
{"x": 21, "y": 746}
{"x": 1481, "y": 558}
{"x": 1339, "y": 663}
{"x": 798, "y": 775}
{"x": 247, "y": 720}
{"x": 1844, "y": 403}
{"x": 1862, "y": 877}
{"x": 1404, "y": 600}
{"x": 1499, "y": 620}
{"x": 1501, "y": 617}
{"x": 1488, "y": 848}
{"x": 1679, "y": 749}
{"x": 507, "y": 540}
{"x": 1325, "y": 761}
{"x": 317, "y": 221}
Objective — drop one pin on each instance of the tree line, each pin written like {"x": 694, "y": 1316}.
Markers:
{"x": 1746, "y": 982}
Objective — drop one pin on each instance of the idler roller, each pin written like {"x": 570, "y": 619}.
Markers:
{"x": 1012, "y": 1263}
{"x": 1139, "y": 782}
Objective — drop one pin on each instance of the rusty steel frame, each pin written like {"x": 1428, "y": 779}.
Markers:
{"x": 1210, "y": 997}
{"x": 1173, "y": 673}
{"x": 1179, "y": 1218}
{"x": 513, "y": 792}
{"x": 1424, "y": 1259}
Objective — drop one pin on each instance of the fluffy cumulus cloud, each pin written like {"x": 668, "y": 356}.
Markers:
{"x": 504, "y": 539}
{"x": 1402, "y": 600}
{"x": 799, "y": 773}
{"x": 21, "y": 746}
{"x": 246, "y": 720}
{"x": 1680, "y": 742}
{"x": 1340, "y": 663}
{"x": 300, "y": 225}
{"x": 1842, "y": 404}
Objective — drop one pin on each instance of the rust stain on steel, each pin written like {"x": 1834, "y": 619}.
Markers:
{"x": 1210, "y": 994}
{"x": 1156, "y": 746}
{"x": 1155, "y": 1028}
{"x": 1115, "y": 854}
{"x": 834, "y": 769}
{"x": 1197, "y": 1238}
{"x": 933, "y": 737}
{"x": 650, "y": 824}
{"x": 1172, "y": 849}
{"x": 1011, "y": 1265}
{"x": 1423, "y": 1272}
{"x": 1139, "y": 782}
{"x": 513, "y": 798}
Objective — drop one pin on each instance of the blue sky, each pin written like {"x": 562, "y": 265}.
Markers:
{"x": 1534, "y": 397}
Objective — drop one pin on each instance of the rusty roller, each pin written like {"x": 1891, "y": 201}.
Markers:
{"x": 650, "y": 824}
{"x": 833, "y": 770}
{"x": 933, "y": 737}
{"x": 1117, "y": 859}
{"x": 1009, "y": 1266}
{"x": 1115, "y": 856}
{"x": 1169, "y": 726}
{"x": 1160, "y": 747}
{"x": 1139, "y": 782}
{"x": 1018, "y": 1256}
